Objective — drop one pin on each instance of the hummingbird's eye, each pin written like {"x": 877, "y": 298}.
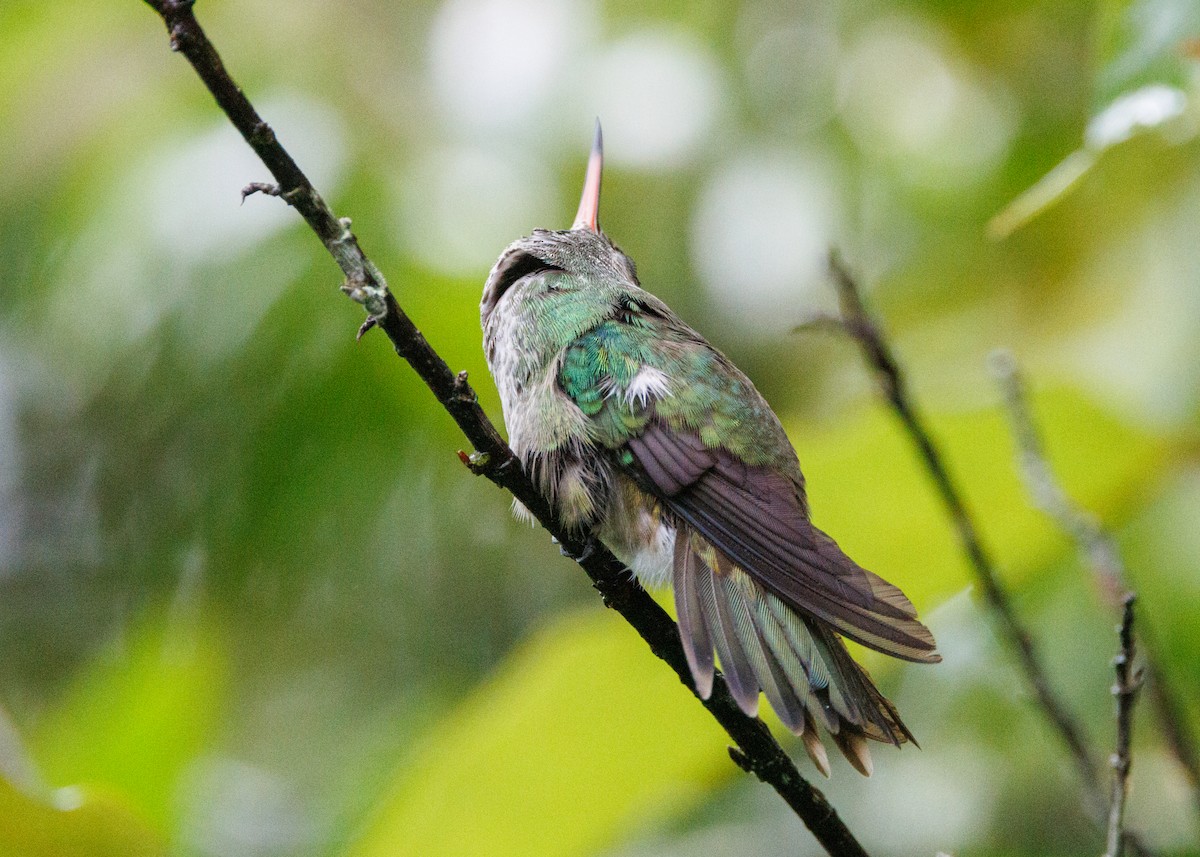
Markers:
{"x": 509, "y": 272}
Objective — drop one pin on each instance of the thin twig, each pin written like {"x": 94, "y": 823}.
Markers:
{"x": 878, "y": 353}
{"x": 1125, "y": 690}
{"x": 1048, "y": 494}
{"x": 857, "y": 322}
{"x": 1100, "y": 556}
{"x": 761, "y": 754}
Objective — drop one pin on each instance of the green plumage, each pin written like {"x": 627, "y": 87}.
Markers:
{"x": 708, "y": 394}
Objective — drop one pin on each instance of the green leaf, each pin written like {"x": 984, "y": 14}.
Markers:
{"x": 580, "y": 736}
{"x": 134, "y": 720}
{"x": 1142, "y": 85}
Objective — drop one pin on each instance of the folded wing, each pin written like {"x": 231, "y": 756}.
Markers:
{"x": 756, "y": 519}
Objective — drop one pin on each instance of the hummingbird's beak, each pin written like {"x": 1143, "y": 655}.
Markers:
{"x": 588, "y": 216}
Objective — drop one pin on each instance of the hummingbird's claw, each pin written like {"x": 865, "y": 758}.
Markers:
{"x": 583, "y": 555}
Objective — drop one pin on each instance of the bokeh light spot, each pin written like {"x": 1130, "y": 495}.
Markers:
{"x": 659, "y": 92}
{"x": 459, "y": 207}
{"x": 497, "y": 64}
{"x": 908, "y": 101}
{"x": 761, "y": 235}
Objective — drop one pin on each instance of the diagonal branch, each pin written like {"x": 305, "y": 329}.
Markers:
{"x": 1102, "y": 558}
{"x": 757, "y": 750}
{"x": 856, "y": 321}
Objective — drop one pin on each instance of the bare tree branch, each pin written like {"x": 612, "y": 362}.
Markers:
{"x": 1129, "y": 680}
{"x": 856, "y": 321}
{"x": 758, "y": 751}
{"x": 1100, "y": 555}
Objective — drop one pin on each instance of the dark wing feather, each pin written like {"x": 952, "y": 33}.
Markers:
{"x": 672, "y": 462}
{"x": 756, "y": 518}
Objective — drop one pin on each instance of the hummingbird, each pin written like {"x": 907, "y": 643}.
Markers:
{"x": 636, "y": 428}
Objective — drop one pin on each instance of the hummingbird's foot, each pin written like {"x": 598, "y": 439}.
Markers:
{"x": 582, "y": 555}
{"x": 261, "y": 187}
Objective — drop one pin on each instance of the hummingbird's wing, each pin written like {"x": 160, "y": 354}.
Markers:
{"x": 754, "y": 579}
{"x": 755, "y": 517}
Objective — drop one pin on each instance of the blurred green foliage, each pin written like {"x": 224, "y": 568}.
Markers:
{"x": 532, "y": 731}
{"x": 252, "y": 605}
{"x": 136, "y": 722}
{"x": 95, "y": 826}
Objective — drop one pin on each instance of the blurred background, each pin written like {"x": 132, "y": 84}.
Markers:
{"x": 252, "y": 605}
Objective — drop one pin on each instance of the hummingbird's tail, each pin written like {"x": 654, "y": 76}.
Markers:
{"x": 798, "y": 662}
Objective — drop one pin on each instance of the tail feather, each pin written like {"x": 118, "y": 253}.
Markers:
{"x": 739, "y": 673}
{"x": 796, "y": 668}
{"x": 814, "y": 747}
{"x": 783, "y": 694}
{"x": 800, "y": 663}
{"x": 854, "y": 747}
{"x": 767, "y": 671}
{"x": 879, "y": 718}
{"x": 697, "y": 643}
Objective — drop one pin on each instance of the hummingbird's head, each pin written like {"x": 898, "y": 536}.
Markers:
{"x": 583, "y": 251}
